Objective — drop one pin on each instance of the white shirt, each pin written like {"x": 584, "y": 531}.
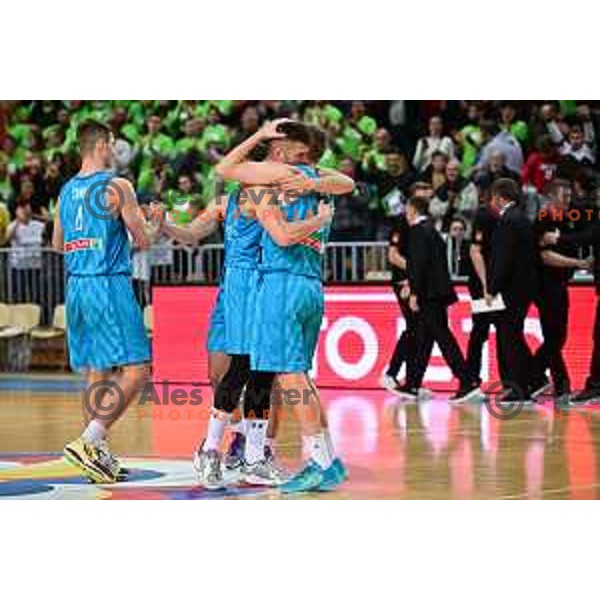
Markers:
{"x": 503, "y": 210}
{"x": 579, "y": 155}
{"x": 419, "y": 219}
{"x": 509, "y": 146}
{"x": 427, "y": 146}
{"x": 26, "y": 252}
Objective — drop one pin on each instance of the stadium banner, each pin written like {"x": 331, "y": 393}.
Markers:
{"x": 358, "y": 335}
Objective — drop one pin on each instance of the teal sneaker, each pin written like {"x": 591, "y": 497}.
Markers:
{"x": 310, "y": 478}
{"x": 334, "y": 476}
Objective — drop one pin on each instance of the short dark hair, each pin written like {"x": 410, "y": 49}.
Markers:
{"x": 89, "y": 133}
{"x": 419, "y": 186}
{"x": 506, "y": 188}
{"x": 420, "y": 204}
{"x": 458, "y": 219}
{"x": 259, "y": 152}
{"x": 296, "y": 131}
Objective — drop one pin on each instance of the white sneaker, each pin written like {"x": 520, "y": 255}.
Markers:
{"x": 111, "y": 461}
{"x": 208, "y": 468}
{"x": 263, "y": 472}
{"x": 277, "y": 468}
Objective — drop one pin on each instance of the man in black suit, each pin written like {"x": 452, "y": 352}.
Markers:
{"x": 484, "y": 224}
{"x": 512, "y": 274}
{"x": 588, "y": 237}
{"x": 397, "y": 257}
{"x": 431, "y": 292}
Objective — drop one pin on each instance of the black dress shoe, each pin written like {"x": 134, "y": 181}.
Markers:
{"x": 591, "y": 397}
{"x": 513, "y": 397}
{"x": 407, "y": 392}
{"x": 466, "y": 392}
{"x": 539, "y": 387}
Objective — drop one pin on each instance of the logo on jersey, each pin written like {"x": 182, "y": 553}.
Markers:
{"x": 83, "y": 244}
{"x": 314, "y": 241}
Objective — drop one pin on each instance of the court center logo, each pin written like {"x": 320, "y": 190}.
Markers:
{"x": 498, "y": 404}
{"x": 103, "y": 400}
{"x": 104, "y": 200}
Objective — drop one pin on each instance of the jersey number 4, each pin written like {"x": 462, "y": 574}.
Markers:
{"x": 79, "y": 219}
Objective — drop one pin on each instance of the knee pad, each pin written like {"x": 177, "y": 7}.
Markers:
{"x": 257, "y": 400}
{"x": 229, "y": 390}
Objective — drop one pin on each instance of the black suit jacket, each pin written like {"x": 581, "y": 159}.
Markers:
{"x": 513, "y": 263}
{"x": 588, "y": 237}
{"x": 427, "y": 265}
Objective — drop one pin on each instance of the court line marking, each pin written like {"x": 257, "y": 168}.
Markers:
{"x": 373, "y": 297}
{"x": 363, "y": 297}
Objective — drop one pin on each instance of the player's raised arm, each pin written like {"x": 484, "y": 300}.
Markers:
{"x": 57, "y": 230}
{"x": 126, "y": 203}
{"x": 201, "y": 227}
{"x": 268, "y": 174}
{"x": 233, "y": 165}
{"x": 334, "y": 183}
{"x": 285, "y": 233}
{"x": 291, "y": 179}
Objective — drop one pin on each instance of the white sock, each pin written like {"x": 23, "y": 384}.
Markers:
{"x": 256, "y": 433}
{"x": 95, "y": 432}
{"x": 329, "y": 443}
{"x": 320, "y": 449}
{"x": 238, "y": 427}
{"x": 216, "y": 430}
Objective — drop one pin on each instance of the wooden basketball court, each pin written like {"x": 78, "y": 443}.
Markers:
{"x": 394, "y": 449}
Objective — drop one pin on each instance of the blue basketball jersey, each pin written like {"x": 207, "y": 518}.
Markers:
{"x": 242, "y": 236}
{"x": 303, "y": 258}
{"x": 95, "y": 241}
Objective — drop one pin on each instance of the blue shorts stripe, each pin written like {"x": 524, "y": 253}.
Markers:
{"x": 240, "y": 295}
{"x": 105, "y": 326}
{"x": 288, "y": 315}
{"x": 215, "y": 341}
{"x": 232, "y": 317}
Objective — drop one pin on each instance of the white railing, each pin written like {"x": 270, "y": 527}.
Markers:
{"x": 342, "y": 261}
{"x": 36, "y": 275}
{"x": 356, "y": 262}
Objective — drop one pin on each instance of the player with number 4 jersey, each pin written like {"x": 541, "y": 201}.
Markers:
{"x": 105, "y": 329}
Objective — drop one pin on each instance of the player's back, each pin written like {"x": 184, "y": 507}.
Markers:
{"x": 242, "y": 236}
{"x": 95, "y": 238}
{"x": 303, "y": 258}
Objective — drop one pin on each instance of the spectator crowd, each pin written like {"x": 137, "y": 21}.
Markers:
{"x": 168, "y": 150}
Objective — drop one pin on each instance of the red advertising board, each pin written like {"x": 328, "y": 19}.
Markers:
{"x": 358, "y": 334}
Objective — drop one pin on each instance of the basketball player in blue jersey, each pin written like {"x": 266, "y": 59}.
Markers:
{"x": 289, "y": 302}
{"x": 231, "y": 323}
{"x": 105, "y": 329}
